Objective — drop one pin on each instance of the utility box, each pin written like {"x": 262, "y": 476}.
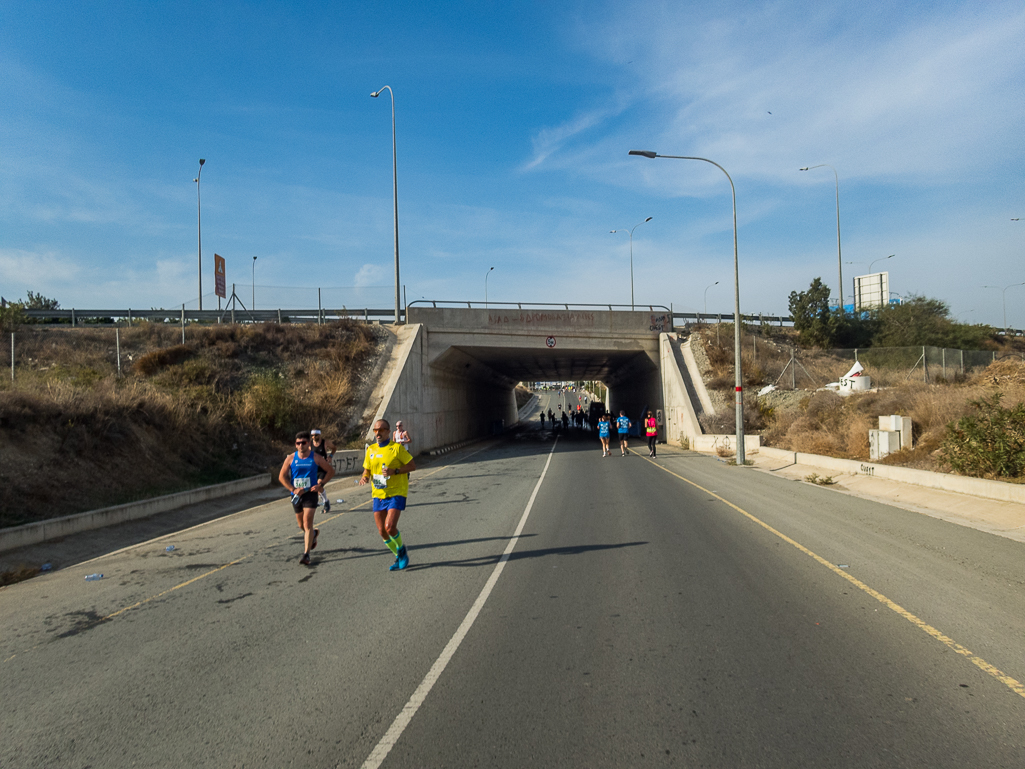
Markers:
{"x": 882, "y": 443}
{"x": 898, "y": 424}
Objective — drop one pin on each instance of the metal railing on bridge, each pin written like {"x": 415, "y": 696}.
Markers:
{"x": 77, "y": 317}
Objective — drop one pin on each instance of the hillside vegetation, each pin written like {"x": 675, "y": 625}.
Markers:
{"x": 75, "y": 436}
{"x": 971, "y": 422}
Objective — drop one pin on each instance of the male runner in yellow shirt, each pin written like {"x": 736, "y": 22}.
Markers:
{"x": 387, "y": 465}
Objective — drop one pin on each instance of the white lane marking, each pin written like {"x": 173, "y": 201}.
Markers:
{"x": 376, "y": 758}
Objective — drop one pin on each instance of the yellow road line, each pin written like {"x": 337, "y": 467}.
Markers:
{"x": 1011, "y": 683}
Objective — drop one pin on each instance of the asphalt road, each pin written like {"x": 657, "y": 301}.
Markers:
{"x": 675, "y": 612}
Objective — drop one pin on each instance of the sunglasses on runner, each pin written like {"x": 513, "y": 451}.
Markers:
{"x": 301, "y": 443}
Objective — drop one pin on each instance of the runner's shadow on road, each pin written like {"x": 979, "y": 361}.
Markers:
{"x": 493, "y": 558}
{"x": 352, "y": 553}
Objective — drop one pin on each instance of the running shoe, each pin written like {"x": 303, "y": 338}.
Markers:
{"x": 395, "y": 565}
{"x": 403, "y": 559}
{"x": 305, "y": 560}
{"x": 313, "y": 546}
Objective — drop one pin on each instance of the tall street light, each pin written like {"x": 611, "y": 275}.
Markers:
{"x": 199, "y": 225}
{"x": 1004, "y": 290}
{"x": 839, "y": 259}
{"x": 736, "y": 301}
{"x": 612, "y": 232}
{"x": 254, "y": 283}
{"x": 395, "y": 190}
{"x": 486, "y": 274}
{"x": 706, "y": 295}
{"x": 882, "y": 297}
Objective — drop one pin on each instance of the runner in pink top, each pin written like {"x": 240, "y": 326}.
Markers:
{"x": 651, "y": 429}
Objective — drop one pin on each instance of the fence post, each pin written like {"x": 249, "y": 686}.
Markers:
{"x": 183, "y": 324}
{"x": 320, "y": 311}
{"x": 72, "y": 317}
{"x": 793, "y": 371}
{"x": 962, "y": 362}
{"x": 943, "y": 362}
{"x": 925, "y": 366}
{"x": 233, "y": 304}
{"x": 117, "y": 342}
{"x": 279, "y": 316}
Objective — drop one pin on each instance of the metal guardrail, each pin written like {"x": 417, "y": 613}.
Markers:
{"x": 76, "y": 316}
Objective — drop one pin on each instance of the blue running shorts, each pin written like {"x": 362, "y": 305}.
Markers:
{"x": 389, "y": 503}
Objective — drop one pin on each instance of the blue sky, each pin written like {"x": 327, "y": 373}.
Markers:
{"x": 514, "y": 121}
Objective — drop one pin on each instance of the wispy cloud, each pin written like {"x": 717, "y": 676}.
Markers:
{"x": 886, "y": 91}
{"x": 550, "y": 140}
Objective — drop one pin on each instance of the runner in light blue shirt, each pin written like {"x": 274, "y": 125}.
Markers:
{"x": 603, "y": 434}
{"x": 624, "y": 424}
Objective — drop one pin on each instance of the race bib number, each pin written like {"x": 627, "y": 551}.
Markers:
{"x": 380, "y": 481}
{"x": 301, "y": 483}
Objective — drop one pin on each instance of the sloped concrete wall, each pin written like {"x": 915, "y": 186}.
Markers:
{"x": 681, "y": 419}
{"x": 439, "y": 406}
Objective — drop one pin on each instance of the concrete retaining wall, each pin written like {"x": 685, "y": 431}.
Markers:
{"x": 681, "y": 420}
{"x": 33, "y": 533}
{"x": 978, "y": 487}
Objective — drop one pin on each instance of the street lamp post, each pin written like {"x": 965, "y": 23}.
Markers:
{"x": 486, "y": 274}
{"x": 706, "y": 295}
{"x": 882, "y": 297}
{"x": 1004, "y": 292}
{"x": 736, "y": 301}
{"x": 839, "y": 259}
{"x": 254, "y": 284}
{"x": 395, "y": 191}
{"x": 631, "y": 257}
{"x": 199, "y": 226}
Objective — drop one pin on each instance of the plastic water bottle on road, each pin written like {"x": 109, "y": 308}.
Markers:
{"x": 94, "y": 577}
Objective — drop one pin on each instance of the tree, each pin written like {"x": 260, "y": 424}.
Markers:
{"x": 39, "y": 302}
{"x": 923, "y": 321}
{"x": 810, "y": 311}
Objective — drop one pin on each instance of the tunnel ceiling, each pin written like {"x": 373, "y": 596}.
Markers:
{"x": 544, "y": 365}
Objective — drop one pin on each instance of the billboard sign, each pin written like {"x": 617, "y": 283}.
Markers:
{"x": 219, "y": 280}
{"x": 871, "y": 291}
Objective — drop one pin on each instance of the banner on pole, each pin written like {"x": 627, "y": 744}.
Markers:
{"x": 219, "y": 276}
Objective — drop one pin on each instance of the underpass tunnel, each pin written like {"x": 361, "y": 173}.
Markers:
{"x": 454, "y": 374}
{"x": 471, "y": 394}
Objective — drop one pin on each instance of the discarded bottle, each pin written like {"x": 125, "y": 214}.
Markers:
{"x": 93, "y": 577}
{"x": 339, "y": 501}
{"x": 169, "y": 548}
{"x": 46, "y": 567}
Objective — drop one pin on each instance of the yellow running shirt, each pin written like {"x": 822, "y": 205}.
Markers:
{"x": 393, "y": 456}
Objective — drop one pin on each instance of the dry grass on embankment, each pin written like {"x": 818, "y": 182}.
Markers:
{"x": 75, "y": 436}
{"x": 822, "y": 422}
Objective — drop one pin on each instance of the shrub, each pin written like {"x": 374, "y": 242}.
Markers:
{"x": 152, "y": 362}
{"x": 989, "y": 443}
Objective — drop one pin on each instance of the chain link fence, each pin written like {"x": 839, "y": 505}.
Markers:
{"x": 790, "y": 368}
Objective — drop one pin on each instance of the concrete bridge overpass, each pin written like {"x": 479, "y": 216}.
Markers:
{"x": 454, "y": 370}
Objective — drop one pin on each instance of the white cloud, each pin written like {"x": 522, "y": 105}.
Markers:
{"x": 370, "y": 275}
{"x": 883, "y": 90}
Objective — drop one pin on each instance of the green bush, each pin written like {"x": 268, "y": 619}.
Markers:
{"x": 989, "y": 443}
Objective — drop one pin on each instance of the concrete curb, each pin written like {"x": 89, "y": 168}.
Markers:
{"x": 527, "y": 407}
{"x": 976, "y": 487}
{"x": 41, "y": 531}
{"x": 453, "y": 447}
